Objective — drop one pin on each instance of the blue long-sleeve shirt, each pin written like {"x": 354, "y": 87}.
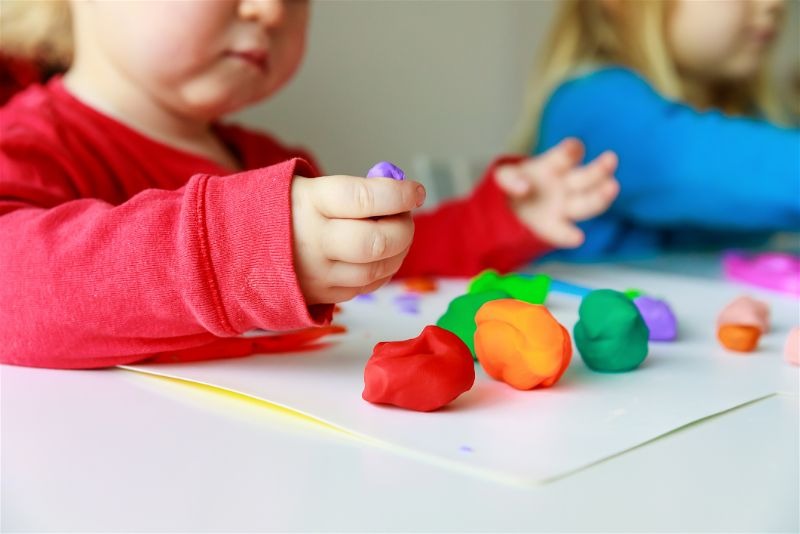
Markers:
{"x": 687, "y": 178}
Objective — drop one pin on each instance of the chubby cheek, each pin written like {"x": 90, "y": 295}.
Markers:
{"x": 288, "y": 52}
{"x": 706, "y": 36}
{"x": 223, "y": 85}
{"x": 230, "y": 85}
{"x": 744, "y": 64}
{"x": 164, "y": 39}
{"x": 194, "y": 87}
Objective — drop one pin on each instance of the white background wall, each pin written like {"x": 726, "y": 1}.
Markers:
{"x": 399, "y": 78}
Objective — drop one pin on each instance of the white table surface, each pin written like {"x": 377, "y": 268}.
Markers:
{"x": 114, "y": 450}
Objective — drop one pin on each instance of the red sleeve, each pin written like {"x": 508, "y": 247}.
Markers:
{"x": 88, "y": 284}
{"x": 466, "y": 236}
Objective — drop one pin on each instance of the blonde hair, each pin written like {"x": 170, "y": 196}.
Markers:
{"x": 38, "y": 30}
{"x": 630, "y": 33}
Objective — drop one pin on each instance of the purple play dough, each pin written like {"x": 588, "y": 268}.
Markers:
{"x": 386, "y": 169}
{"x": 658, "y": 317}
{"x": 407, "y": 303}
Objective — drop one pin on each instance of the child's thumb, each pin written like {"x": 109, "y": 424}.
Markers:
{"x": 511, "y": 181}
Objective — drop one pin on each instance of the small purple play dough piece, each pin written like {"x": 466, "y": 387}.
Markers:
{"x": 658, "y": 317}
{"x": 386, "y": 169}
{"x": 407, "y": 303}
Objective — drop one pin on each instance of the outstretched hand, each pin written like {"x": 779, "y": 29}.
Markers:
{"x": 550, "y": 193}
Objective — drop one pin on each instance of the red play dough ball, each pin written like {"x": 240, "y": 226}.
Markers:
{"x": 422, "y": 374}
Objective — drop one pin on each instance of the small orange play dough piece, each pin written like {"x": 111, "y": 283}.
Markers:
{"x": 420, "y": 285}
{"x": 739, "y": 337}
{"x": 745, "y": 310}
{"x": 521, "y": 344}
{"x": 791, "y": 351}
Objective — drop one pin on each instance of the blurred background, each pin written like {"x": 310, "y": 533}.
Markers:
{"x": 432, "y": 85}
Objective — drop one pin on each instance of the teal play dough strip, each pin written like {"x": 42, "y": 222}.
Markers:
{"x": 611, "y": 334}
{"x": 530, "y": 289}
{"x": 460, "y": 315}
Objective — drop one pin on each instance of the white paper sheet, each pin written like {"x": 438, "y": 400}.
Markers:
{"x": 525, "y": 436}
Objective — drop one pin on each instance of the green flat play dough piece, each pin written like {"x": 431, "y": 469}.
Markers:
{"x": 633, "y": 293}
{"x": 460, "y": 315}
{"x": 611, "y": 334}
{"x": 531, "y": 289}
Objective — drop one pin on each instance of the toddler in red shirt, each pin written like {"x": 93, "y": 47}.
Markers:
{"x": 135, "y": 225}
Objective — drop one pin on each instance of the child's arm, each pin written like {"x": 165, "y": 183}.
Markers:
{"x": 89, "y": 284}
{"x": 677, "y": 165}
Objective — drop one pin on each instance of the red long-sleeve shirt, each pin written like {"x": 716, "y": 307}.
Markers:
{"x": 115, "y": 248}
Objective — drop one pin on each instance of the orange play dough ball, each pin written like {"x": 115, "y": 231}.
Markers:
{"x": 739, "y": 337}
{"x": 521, "y": 344}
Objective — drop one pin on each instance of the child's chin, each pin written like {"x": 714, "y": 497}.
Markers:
{"x": 211, "y": 102}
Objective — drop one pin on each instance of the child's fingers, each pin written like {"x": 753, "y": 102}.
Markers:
{"x": 593, "y": 174}
{"x": 512, "y": 181}
{"x": 584, "y": 207}
{"x": 610, "y": 191}
{"x": 610, "y": 159}
{"x": 343, "y": 274}
{"x": 548, "y": 169}
{"x": 560, "y": 158}
{"x": 570, "y": 151}
{"x": 351, "y": 197}
{"x": 562, "y": 234}
{"x": 367, "y": 241}
{"x": 374, "y": 286}
{"x": 342, "y": 294}
{"x": 592, "y": 202}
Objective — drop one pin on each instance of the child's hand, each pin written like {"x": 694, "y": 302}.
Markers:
{"x": 340, "y": 249}
{"x": 551, "y": 192}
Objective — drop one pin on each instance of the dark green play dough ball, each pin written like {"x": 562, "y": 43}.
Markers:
{"x": 611, "y": 334}
{"x": 460, "y": 315}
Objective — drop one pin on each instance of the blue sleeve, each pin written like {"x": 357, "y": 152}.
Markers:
{"x": 677, "y": 165}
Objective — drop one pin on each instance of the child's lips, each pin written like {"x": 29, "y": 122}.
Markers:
{"x": 257, "y": 58}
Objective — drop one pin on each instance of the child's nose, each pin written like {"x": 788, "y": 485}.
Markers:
{"x": 265, "y": 12}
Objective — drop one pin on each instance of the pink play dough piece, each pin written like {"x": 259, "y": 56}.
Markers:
{"x": 745, "y": 311}
{"x": 791, "y": 351}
